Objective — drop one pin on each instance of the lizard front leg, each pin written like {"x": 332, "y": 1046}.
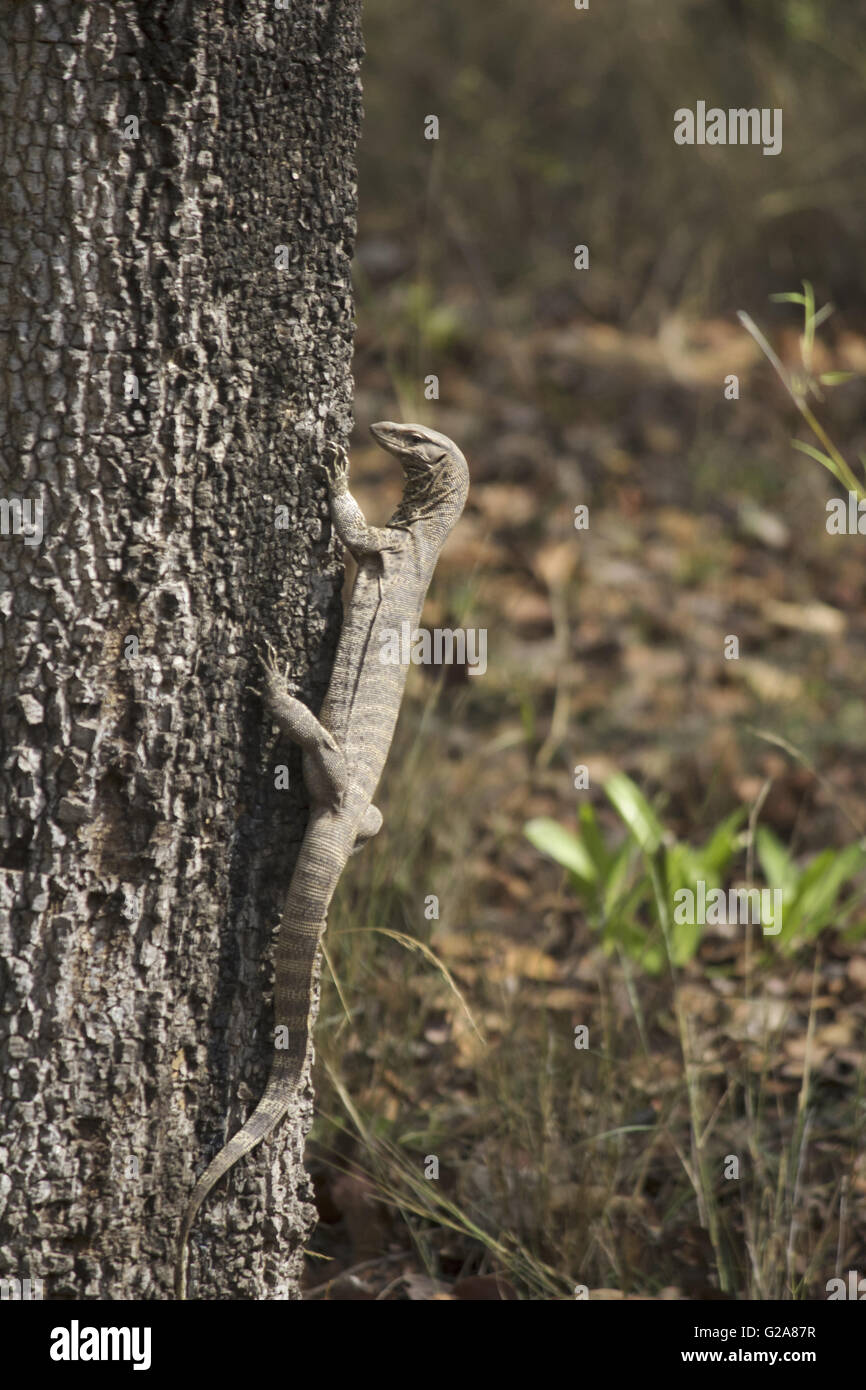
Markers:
{"x": 349, "y": 521}
{"x": 325, "y": 773}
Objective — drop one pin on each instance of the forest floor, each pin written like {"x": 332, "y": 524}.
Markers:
{"x": 706, "y": 1139}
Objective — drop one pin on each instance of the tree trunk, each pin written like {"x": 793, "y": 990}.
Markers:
{"x": 170, "y": 380}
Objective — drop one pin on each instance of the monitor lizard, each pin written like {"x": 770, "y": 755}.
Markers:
{"x": 344, "y": 750}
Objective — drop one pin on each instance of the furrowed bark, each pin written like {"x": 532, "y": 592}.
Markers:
{"x": 169, "y": 379}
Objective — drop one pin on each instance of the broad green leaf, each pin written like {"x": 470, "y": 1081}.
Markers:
{"x": 593, "y": 840}
{"x": 679, "y": 863}
{"x": 627, "y": 931}
{"x": 819, "y": 888}
{"x": 774, "y": 859}
{"x": 561, "y": 845}
{"x": 683, "y": 867}
{"x": 618, "y": 877}
{"x": 686, "y": 939}
{"x": 636, "y": 811}
{"x": 722, "y": 845}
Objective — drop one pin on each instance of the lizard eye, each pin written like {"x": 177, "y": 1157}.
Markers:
{"x": 417, "y": 439}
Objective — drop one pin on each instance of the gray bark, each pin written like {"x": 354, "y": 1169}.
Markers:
{"x": 145, "y": 848}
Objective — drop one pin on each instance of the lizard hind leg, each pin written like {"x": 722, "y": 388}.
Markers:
{"x": 371, "y": 824}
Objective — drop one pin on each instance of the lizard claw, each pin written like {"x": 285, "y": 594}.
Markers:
{"x": 266, "y": 654}
{"x": 268, "y": 657}
{"x": 335, "y": 465}
{"x": 277, "y": 681}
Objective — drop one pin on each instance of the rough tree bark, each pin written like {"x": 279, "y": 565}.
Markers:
{"x": 169, "y": 381}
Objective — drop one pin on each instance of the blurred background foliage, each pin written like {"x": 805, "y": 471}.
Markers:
{"x": 556, "y": 127}
{"x": 606, "y": 388}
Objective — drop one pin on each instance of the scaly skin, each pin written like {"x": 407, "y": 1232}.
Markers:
{"x": 345, "y": 749}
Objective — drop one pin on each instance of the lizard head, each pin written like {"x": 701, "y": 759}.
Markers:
{"x": 418, "y": 449}
{"x": 435, "y": 470}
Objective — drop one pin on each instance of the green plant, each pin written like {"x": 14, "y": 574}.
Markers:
{"x": 810, "y": 891}
{"x": 627, "y": 890}
{"x": 801, "y": 385}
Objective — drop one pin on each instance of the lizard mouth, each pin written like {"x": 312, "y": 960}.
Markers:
{"x": 385, "y": 434}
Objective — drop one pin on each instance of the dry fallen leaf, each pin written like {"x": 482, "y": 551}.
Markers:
{"x": 523, "y": 961}
{"x": 818, "y": 618}
{"x": 768, "y": 681}
{"x": 555, "y": 563}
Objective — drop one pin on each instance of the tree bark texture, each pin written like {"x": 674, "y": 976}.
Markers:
{"x": 169, "y": 379}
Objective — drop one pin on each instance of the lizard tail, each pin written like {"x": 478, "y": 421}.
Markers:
{"x": 264, "y": 1119}
{"x": 296, "y": 950}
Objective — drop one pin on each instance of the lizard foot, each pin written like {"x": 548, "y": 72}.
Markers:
{"x": 277, "y": 681}
{"x": 335, "y": 466}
